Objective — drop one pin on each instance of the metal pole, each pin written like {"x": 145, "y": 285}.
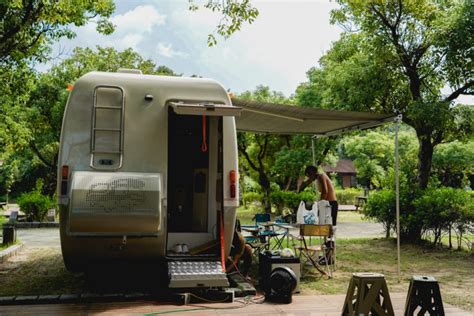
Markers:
{"x": 313, "y": 149}
{"x": 397, "y": 193}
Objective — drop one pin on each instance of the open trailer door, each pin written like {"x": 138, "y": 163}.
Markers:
{"x": 195, "y": 201}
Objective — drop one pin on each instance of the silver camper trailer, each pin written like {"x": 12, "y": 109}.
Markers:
{"x": 148, "y": 171}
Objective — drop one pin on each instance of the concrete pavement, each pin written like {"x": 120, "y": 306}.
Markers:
{"x": 49, "y": 237}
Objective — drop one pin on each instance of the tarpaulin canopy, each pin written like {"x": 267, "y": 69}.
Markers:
{"x": 262, "y": 117}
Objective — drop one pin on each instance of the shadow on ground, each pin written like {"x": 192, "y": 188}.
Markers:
{"x": 40, "y": 271}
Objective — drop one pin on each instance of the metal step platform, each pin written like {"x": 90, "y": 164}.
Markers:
{"x": 192, "y": 274}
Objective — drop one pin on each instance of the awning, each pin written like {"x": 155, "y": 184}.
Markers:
{"x": 209, "y": 109}
{"x": 261, "y": 117}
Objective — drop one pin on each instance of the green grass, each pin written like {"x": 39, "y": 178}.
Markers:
{"x": 452, "y": 269}
{"x": 2, "y": 246}
{"x": 41, "y": 271}
{"x": 350, "y": 217}
{"x": 467, "y": 239}
{"x": 246, "y": 215}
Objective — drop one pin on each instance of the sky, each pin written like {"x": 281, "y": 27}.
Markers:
{"x": 277, "y": 50}
{"x": 285, "y": 41}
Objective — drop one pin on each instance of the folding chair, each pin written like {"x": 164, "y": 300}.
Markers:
{"x": 271, "y": 230}
{"x": 256, "y": 240}
{"x": 263, "y": 232}
{"x": 320, "y": 255}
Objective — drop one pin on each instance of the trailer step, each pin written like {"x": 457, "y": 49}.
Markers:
{"x": 192, "y": 274}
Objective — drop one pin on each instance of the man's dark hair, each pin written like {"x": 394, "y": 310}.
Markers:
{"x": 310, "y": 169}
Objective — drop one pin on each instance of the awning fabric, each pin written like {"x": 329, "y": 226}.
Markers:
{"x": 261, "y": 117}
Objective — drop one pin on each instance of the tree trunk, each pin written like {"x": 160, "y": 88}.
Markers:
{"x": 425, "y": 157}
{"x": 450, "y": 241}
{"x": 265, "y": 184}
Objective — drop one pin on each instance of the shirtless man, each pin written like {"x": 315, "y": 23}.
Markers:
{"x": 324, "y": 186}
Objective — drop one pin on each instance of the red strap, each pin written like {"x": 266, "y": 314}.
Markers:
{"x": 204, "y": 136}
{"x": 222, "y": 242}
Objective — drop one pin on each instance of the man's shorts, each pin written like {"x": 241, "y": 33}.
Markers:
{"x": 334, "y": 209}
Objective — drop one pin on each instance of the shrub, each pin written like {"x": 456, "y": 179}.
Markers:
{"x": 289, "y": 199}
{"x": 34, "y": 204}
{"x": 251, "y": 197}
{"x": 444, "y": 209}
{"x": 436, "y": 211}
{"x": 348, "y": 196}
{"x": 381, "y": 207}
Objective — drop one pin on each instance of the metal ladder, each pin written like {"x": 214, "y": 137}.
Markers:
{"x": 95, "y": 129}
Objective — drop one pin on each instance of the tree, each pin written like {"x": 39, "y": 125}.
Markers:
{"x": 17, "y": 83}
{"x": 396, "y": 56}
{"x": 373, "y": 154}
{"x": 234, "y": 14}
{"x": 30, "y": 26}
{"x": 258, "y": 150}
{"x": 32, "y": 129}
{"x": 453, "y": 164}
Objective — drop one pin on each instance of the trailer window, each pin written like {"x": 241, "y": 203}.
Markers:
{"x": 107, "y": 128}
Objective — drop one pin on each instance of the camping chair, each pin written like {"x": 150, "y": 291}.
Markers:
{"x": 321, "y": 255}
{"x": 254, "y": 238}
{"x": 270, "y": 230}
{"x": 263, "y": 232}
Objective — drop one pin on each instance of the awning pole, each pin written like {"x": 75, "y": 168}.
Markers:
{"x": 397, "y": 193}
{"x": 313, "y": 149}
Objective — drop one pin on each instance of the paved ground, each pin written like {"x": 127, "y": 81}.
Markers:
{"x": 302, "y": 305}
{"x": 39, "y": 237}
{"x": 49, "y": 237}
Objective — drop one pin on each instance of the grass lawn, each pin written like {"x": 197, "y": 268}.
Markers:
{"x": 41, "y": 271}
{"x": 246, "y": 215}
{"x": 350, "y": 217}
{"x": 454, "y": 270}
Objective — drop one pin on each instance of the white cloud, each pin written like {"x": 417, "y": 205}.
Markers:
{"x": 166, "y": 50}
{"x": 284, "y": 42}
{"x": 128, "y": 41}
{"x": 141, "y": 19}
{"x": 133, "y": 26}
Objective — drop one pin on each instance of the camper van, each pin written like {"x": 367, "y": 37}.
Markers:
{"x": 148, "y": 171}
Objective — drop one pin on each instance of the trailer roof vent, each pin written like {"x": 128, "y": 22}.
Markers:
{"x": 130, "y": 71}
